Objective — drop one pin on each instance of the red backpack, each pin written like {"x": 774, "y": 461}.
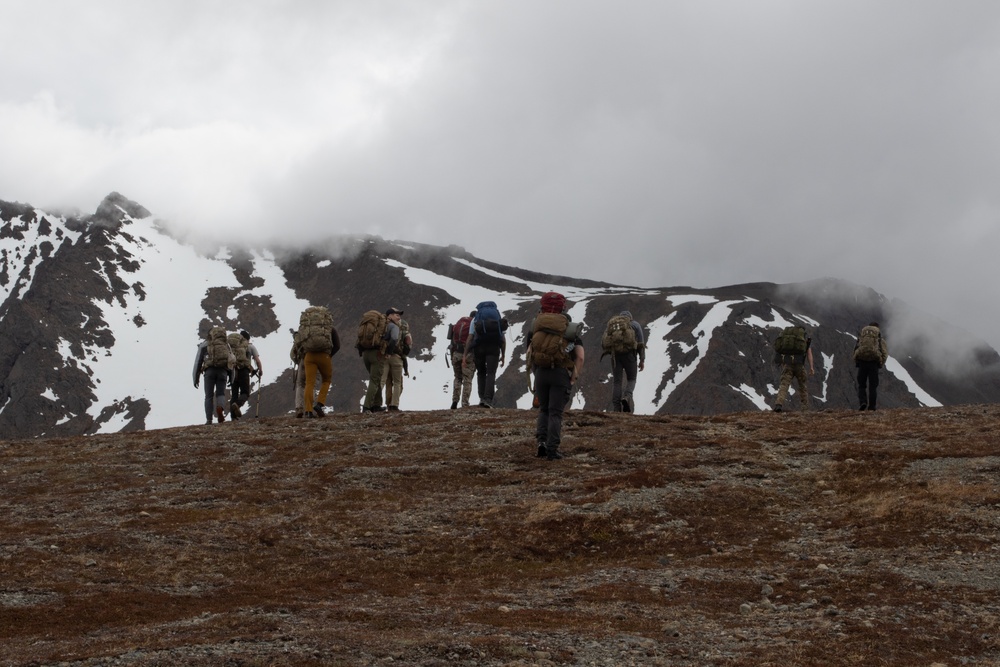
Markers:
{"x": 458, "y": 333}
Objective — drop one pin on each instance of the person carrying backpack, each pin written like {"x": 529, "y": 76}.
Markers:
{"x": 246, "y": 356}
{"x": 458, "y": 336}
{"x": 371, "y": 346}
{"x": 398, "y": 345}
{"x": 487, "y": 344}
{"x": 870, "y": 354}
{"x": 556, "y": 355}
{"x": 792, "y": 349}
{"x": 317, "y": 341}
{"x": 214, "y": 360}
{"x": 624, "y": 342}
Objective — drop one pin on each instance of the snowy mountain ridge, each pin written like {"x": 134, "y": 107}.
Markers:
{"x": 101, "y": 318}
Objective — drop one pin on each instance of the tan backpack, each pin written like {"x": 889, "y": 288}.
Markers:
{"x": 241, "y": 349}
{"x": 217, "y": 352}
{"x": 549, "y": 345}
{"x": 315, "y": 325}
{"x": 371, "y": 331}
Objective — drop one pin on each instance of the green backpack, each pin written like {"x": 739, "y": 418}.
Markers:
{"x": 791, "y": 341}
{"x": 404, "y": 331}
{"x": 550, "y": 345}
{"x": 371, "y": 331}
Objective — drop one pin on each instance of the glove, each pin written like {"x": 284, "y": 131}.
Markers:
{"x": 197, "y": 384}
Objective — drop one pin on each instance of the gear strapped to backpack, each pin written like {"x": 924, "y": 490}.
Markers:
{"x": 488, "y": 324}
{"x": 241, "y": 349}
{"x": 551, "y": 341}
{"x": 619, "y": 336}
{"x": 403, "y": 349}
{"x": 869, "y": 344}
{"x": 371, "y": 331}
{"x": 315, "y": 327}
{"x": 217, "y": 352}
{"x": 790, "y": 346}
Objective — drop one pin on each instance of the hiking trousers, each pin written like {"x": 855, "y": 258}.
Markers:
{"x": 798, "y": 372}
{"x": 462, "y": 389}
{"x": 300, "y": 388}
{"x": 867, "y": 384}
{"x": 317, "y": 364}
{"x": 392, "y": 378}
{"x": 552, "y": 387}
{"x": 374, "y": 361}
{"x": 624, "y": 365}
{"x": 241, "y": 386}
{"x": 487, "y": 361}
{"x": 215, "y": 379}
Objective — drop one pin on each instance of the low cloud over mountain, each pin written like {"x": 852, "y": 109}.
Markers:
{"x": 101, "y": 315}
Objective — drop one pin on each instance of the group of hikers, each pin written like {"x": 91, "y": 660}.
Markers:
{"x": 477, "y": 348}
{"x": 793, "y": 352}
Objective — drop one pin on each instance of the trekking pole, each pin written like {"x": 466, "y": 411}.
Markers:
{"x": 260, "y": 385}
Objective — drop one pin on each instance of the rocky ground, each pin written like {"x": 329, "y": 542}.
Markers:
{"x": 433, "y": 538}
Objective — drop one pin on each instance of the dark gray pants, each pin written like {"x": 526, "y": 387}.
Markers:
{"x": 215, "y": 380}
{"x": 868, "y": 384}
{"x": 487, "y": 360}
{"x": 623, "y": 365}
{"x": 552, "y": 387}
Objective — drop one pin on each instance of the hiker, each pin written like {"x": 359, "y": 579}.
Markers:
{"x": 870, "y": 354}
{"x": 371, "y": 346}
{"x": 458, "y": 336}
{"x": 214, "y": 360}
{"x": 624, "y": 342}
{"x": 487, "y": 344}
{"x": 556, "y": 354}
{"x": 793, "y": 348}
{"x": 296, "y": 354}
{"x": 398, "y": 344}
{"x": 246, "y": 356}
{"x": 317, "y": 341}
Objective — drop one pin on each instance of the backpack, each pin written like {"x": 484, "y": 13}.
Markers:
{"x": 792, "y": 340}
{"x": 458, "y": 333}
{"x": 217, "y": 352}
{"x": 549, "y": 345}
{"x": 869, "y": 345}
{"x": 553, "y": 302}
{"x": 488, "y": 324}
{"x": 315, "y": 325}
{"x": 404, "y": 330}
{"x": 241, "y": 349}
{"x": 619, "y": 336}
{"x": 371, "y": 331}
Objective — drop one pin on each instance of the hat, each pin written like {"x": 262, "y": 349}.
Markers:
{"x": 245, "y": 334}
{"x": 394, "y": 311}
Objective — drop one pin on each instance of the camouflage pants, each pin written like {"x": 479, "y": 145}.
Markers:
{"x": 462, "y": 388}
{"x": 797, "y": 371}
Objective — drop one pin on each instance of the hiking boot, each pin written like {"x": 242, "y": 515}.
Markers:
{"x": 209, "y": 421}
{"x": 393, "y": 408}
{"x": 318, "y": 409}
{"x": 234, "y": 410}
{"x": 376, "y": 408}
{"x": 625, "y": 407}
{"x": 219, "y": 414}
{"x": 777, "y": 408}
{"x": 299, "y": 412}
{"x": 554, "y": 456}
{"x": 454, "y": 405}
{"x": 310, "y": 415}
{"x": 542, "y": 451}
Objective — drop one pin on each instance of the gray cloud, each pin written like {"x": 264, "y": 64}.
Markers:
{"x": 681, "y": 143}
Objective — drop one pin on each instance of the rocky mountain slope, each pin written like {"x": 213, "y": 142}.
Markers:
{"x": 100, "y": 317}
{"x": 437, "y": 538}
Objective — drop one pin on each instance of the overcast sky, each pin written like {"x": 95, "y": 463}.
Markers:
{"x": 652, "y": 143}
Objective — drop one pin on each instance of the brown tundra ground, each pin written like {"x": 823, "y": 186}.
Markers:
{"x": 433, "y": 538}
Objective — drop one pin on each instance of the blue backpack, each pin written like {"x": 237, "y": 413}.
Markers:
{"x": 489, "y": 325}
